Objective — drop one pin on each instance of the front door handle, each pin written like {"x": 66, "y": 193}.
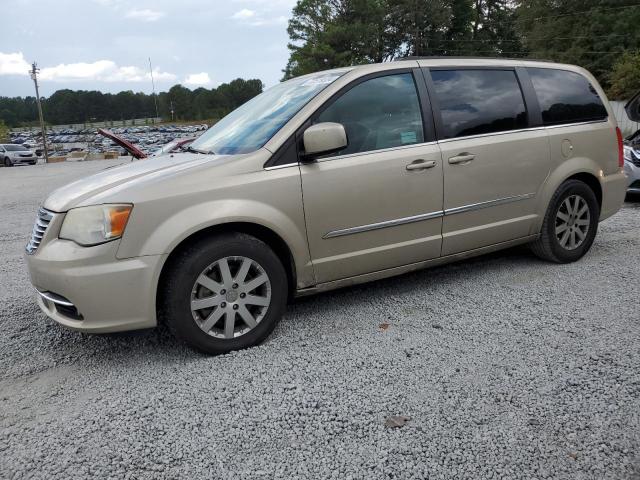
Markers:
{"x": 462, "y": 158}
{"x": 421, "y": 165}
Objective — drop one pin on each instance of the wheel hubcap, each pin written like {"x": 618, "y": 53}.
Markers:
{"x": 230, "y": 297}
{"x": 572, "y": 222}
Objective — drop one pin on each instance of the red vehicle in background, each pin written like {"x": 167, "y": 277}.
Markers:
{"x": 173, "y": 146}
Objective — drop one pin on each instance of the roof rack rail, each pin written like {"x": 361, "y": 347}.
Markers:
{"x": 467, "y": 57}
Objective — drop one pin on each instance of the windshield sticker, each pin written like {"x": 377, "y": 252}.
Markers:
{"x": 408, "y": 137}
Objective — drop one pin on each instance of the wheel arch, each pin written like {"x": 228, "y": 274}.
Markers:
{"x": 265, "y": 234}
{"x": 592, "y": 182}
{"x": 577, "y": 168}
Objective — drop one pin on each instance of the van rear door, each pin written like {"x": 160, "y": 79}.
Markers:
{"x": 495, "y": 158}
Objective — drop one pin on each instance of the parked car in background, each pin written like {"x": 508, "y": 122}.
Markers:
{"x": 173, "y": 146}
{"x": 632, "y": 147}
{"x": 11, "y": 154}
{"x": 328, "y": 180}
{"x": 632, "y": 162}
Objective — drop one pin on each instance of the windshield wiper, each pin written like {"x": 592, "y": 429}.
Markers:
{"x": 195, "y": 150}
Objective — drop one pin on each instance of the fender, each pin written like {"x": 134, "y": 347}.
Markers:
{"x": 567, "y": 169}
{"x": 174, "y": 229}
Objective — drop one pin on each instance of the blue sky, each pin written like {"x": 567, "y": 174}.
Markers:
{"x": 105, "y": 44}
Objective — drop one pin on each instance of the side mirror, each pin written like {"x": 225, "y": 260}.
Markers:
{"x": 324, "y": 138}
{"x": 633, "y": 108}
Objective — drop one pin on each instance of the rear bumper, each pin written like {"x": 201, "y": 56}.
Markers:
{"x": 88, "y": 289}
{"x": 614, "y": 189}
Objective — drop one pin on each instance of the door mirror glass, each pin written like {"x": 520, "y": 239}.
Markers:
{"x": 633, "y": 108}
{"x": 324, "y": 138}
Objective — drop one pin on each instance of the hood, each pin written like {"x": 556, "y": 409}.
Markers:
{"x": 74, "y": 194}
{"x": 128, "y": 146}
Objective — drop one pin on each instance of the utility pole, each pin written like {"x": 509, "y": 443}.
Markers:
{"x": 34, "y": 77}
{"x": 153, "y": 87}
{"x": 171, "y": 102}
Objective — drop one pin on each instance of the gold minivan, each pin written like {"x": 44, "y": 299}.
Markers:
{"x": 332, "y": 179}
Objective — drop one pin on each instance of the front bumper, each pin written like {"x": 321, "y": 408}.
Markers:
{"x": 106, "y": 294}
{"x": 633, "y": 177}
{"x": 24, "y": 160}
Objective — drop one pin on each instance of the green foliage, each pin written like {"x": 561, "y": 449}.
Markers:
{"x": 625, "y": 77}
{"x": 80, "y": 106}
{"x": 4, "y": 132}
{"x": 592, "y": 34}
{"x": 333, "y": 33}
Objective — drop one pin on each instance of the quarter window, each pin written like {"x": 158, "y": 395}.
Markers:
{"x": 474, "y": 102}
{"x": 566, "y": 97}
{"x": 383, "y": 112}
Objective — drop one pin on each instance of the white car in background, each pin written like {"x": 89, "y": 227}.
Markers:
{"x": 632, "y": 163}
{"x": 12, "y": 154}
{"x": 632, "y": 147}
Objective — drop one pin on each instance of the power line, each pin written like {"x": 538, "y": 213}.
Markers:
{"x": 592, "y": 10}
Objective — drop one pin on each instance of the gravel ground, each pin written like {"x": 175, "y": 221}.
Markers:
{"x": 507, "y": 367}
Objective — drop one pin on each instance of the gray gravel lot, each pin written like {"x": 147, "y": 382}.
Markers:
{"x": 508, "y": 367}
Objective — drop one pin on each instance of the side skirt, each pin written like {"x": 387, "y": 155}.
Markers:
{"x": 392, "y": 272}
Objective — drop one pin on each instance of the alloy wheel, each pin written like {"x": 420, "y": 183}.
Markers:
{"x": 230, "y": 297}
{"x": 573, "y": 220}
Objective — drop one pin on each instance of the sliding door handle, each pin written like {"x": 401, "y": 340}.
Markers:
{"x": 462, "y": 158}
{"x": 421, "y": 165}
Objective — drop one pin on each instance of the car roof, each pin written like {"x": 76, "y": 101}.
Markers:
{"x": 439, "y": 62}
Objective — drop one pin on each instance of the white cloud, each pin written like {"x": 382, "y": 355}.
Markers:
{"x": 198, "y": 79}
{"x": 13, "y": 64}
{"x": 255, "y": 19}
{"x": 145, "y": 15}
{"x": 243, "y": 14}
{"x": 100, "y": 70}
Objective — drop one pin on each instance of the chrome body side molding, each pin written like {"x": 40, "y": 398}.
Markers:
{"x": 427, "y": 216}
{"x": 386, "y": 224}
{"x": 489, "y": 203}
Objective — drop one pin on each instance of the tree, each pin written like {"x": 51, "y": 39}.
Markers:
{"x": 336, "y": 33}
{"x": 69, "y": 106}
{"x": 591, "y": 34}
{"x": 4, "y": 133}
{"x": 625, "y": 77}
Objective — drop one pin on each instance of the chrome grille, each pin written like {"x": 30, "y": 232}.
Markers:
{"x": 39, "y": 229}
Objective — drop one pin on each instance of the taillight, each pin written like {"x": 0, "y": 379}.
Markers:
{"x": 620, "y": 148}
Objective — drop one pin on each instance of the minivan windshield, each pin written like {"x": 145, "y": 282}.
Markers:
{"x": 250, "y": 126}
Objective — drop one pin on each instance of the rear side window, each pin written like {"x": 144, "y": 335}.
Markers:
{"x": 566, "y": 97}
{"x": 383, "y": 112}
{"x": 474, "y": 102}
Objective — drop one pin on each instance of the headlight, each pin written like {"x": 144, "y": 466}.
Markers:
{"x": 96, "y": 224}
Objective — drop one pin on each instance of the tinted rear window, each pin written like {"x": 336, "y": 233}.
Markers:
{"x": 566, "y": 97}
{"x": 473, "y": 102}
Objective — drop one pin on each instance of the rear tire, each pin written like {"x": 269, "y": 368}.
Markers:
{"x": 570, "y": 224}
{"x": 223, "y": 293}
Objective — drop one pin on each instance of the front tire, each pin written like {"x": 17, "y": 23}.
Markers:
{"x": 8, "y": 162}
{"x": 570, "y": 224}
{"x": 223, "y": 293}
